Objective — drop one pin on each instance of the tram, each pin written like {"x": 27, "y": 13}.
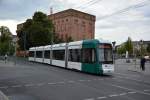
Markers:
{"x": 91, "y": 56}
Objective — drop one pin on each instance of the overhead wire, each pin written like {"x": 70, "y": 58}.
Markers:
{"x": 85, "y": 3}
{"x": 92, "y": 2}
{"x": 126, "y": 9}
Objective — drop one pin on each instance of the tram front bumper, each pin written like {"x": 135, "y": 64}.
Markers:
{"x": 108, "y": 68}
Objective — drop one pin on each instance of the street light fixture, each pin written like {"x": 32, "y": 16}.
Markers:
{"x": 113, "y": 43}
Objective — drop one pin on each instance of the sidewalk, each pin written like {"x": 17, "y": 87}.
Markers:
{"x": 7, "y": 64}
{"x": 134, "y": 65}
{"x": 2, "y": 96}
{"x": 136, "y": 68}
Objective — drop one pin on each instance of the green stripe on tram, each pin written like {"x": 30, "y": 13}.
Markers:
{"x": 94, "y": 68}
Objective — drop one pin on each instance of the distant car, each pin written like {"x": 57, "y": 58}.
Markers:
{"x": 147, "y": 58}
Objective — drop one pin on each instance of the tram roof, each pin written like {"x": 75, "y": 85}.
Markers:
{"x": 82, "y": 42}
{"x": 32, "y": 48}
{"x": 92, "y": 41}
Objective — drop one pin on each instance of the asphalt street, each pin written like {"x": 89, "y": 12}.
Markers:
{"x": 33, "y": 81}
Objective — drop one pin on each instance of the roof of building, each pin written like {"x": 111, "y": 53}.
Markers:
{"x": 72, "y": 12}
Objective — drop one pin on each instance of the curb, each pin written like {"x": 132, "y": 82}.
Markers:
{"x": 3, "y": 96}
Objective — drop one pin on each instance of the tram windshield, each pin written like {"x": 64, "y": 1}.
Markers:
{"x": 105, "y": 54}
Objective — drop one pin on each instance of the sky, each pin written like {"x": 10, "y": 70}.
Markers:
{"x": 116, "y": 20}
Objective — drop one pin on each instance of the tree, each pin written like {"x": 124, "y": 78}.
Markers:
{"x": 148, "y": 48}
{"x": 35, "y": 32}
{"x": 129, "y": 46}
{"x": 57, "y": 39}
{"x": 6, "y": 41}
{"x": 121, "y": 50}
{"x": 69, "y": 39}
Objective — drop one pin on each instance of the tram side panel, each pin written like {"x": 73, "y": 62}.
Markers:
{"x": 47, "y": 52}
{"x": 39, "y": 54}
{"x": 74, "y": 56}
{"x": 32, "y": 54}
{"x": 58, "y": 55}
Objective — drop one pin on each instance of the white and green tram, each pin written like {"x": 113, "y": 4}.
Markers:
{"x": 91, "y": 56}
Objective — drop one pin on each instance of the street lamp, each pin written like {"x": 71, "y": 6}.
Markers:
{"x": 141, "y": 43}
{"x": 15, "y": 52}
{"x": 113, "y": 43}
{"x": 24, "y": 44}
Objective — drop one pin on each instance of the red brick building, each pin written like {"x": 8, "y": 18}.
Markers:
{"x": 75, "y": 24}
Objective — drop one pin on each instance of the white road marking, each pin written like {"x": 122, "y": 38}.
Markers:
{"x": 121, "y": 94}
{"x": 101, "y": 97}
{"x": 90, "y": 99}
{"x": 81, "y": 80}
{"x": 137, "y": 83}
{"x": 15, "y": 86}
{"x": 71, "y": 81}
{"x": 28, "y": 85}
{"x": 89, "y": 80}
{"x": 4, "y": 87}
{"x": 51, "y": 83}
{"x": 61, "y": 82}
{"x": 146, "y": 90}
{"x": 133, "y": 79}
{"x": 113, "y": 95}
{"x": 132, "y": 92}
{"x": 141, "y": 92}
{"x": 40, "y": 84}
{"x": 126, "y": 74}
{"x": 100, "y": 79}
{"x": 96, "y": 79}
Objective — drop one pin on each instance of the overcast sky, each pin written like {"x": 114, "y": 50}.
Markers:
{"x": 115, "y": 19}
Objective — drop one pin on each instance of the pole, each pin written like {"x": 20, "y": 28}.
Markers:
{"x": 134, "y": 57}
{"x": 15, "y": 52}
{"x": 24, "y": 44}
{"x": 141, "y": 47}
{"x": 113, "y": 43}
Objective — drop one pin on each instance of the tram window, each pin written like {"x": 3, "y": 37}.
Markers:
{"x": 74, "y": 55}
{"x": 47, "y": 54}
{"x": 105, "y": 53}
{"x": 39, "y": 54}
{"x": 59, "y": 54}
{"x": 31, "y": 53}
{"x": 88, "y": 55}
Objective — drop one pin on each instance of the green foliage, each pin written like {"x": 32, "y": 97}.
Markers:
{"x": 69, "y": 39}
{"x": 129, "y": 46}
{"x": 121, "y": 50}
{"x": 35, "y": 32}
{"x": 143, "y": 50}
{"x": 6, "y": 41}
{"x": 57, "y": 39}
{"x": 148, "y": 48}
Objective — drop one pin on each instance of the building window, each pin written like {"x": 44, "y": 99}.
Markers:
{"x": 83, "y": 22}
{"x": 76, "y": 21}
{"x": 66, "y": 20}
